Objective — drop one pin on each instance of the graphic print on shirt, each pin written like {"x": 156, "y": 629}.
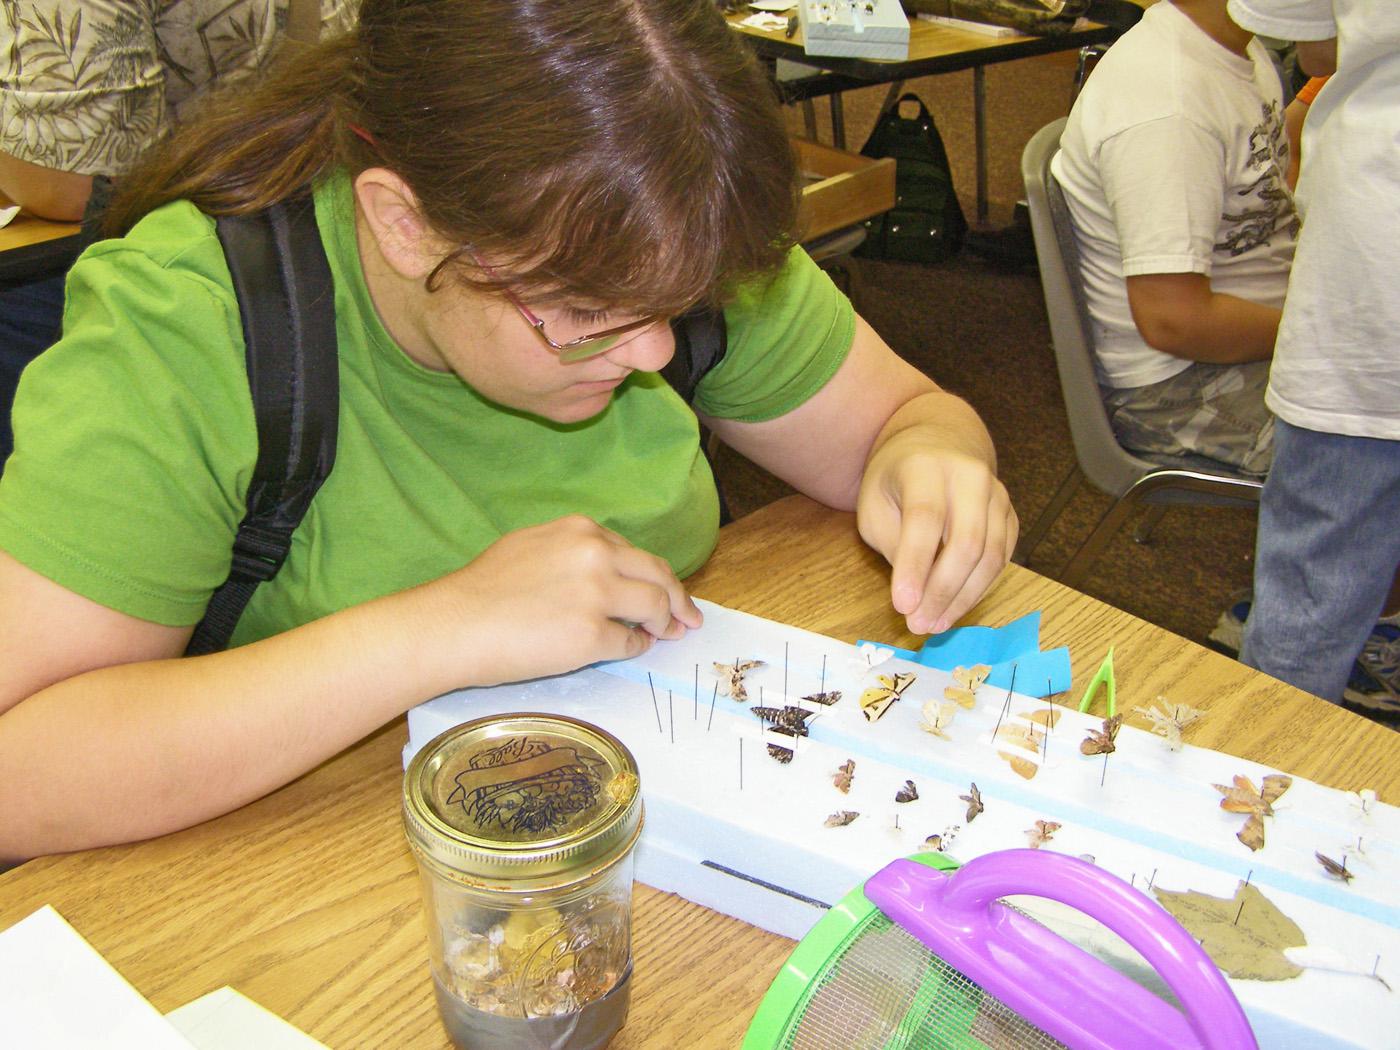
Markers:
{"x": 1267, "y": 201}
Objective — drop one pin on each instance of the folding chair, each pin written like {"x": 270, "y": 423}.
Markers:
{"x": 1131, "y": 479}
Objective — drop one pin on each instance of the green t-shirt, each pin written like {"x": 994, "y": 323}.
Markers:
{"x": 135, "y": 438}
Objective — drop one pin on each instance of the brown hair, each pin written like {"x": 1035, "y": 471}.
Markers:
{"x": 622, "y": 153}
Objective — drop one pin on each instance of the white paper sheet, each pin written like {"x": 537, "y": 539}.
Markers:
{"x": 228, "y": 1020}
{"x": 57, "y": 991}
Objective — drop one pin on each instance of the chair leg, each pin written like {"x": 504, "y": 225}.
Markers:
{"x": 1030, "y": 539}
{"x": 809, "y": 118}
{"x": 1143, "y": 533}
{"x": 838, "y": 121}
{"x": 1083, "y": 559}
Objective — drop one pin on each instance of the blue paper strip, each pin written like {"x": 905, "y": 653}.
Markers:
{"x": 1012, "y": 651}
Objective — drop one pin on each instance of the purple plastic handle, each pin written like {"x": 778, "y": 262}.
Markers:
{"x": 1055, "y": 985}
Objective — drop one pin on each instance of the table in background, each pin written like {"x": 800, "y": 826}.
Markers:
{"x": 307, "y": 901}
{"x": 933, "y": 48}
{"x": 32, "y": 247}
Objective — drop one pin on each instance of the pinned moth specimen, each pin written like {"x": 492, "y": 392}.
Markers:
{"x": 731, "y": 677}
{"x": 1168, "y": 720}
{"x": 1363, "y": 801}
{"x": 908, "y": 793}
{"x": 974, "y": 804}
{"x": 841, "y": 818}
{"x": 788, "y": 720}
{"x": 876, "y": 700}
{"x": 967, "y": 679}
{"x": 1023, "y": 736}
{"x": 868, "y": 656}
{"x": 1337, "y": 871}
{"x": 780, "y": 753}
{"x": 1045, "y": 717}
{"x": 1022, "y": 767}
{"x": 1243, "y": 797}
{"x": 825, "y": 699}
{"x": 938, "y": 716}
{"x": 943, "y": 841}
{"x": 1102, "y": 741}
{"x": 1042, "y": 833}
{"x": 843, "y": 775}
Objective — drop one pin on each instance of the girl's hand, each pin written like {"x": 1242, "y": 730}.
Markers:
{"x": 942, "y": 520}
{"x": 553, "y": 598}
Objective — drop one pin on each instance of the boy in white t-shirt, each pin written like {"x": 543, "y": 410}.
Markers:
{"x": 1173, "y": 166}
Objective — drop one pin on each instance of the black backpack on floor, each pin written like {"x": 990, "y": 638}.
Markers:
{"x": 286, "y": 302}
{"x": 926, "y": 223}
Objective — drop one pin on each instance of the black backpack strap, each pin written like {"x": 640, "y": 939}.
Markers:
{"x": 286, "y": 302}
{"x": 701, "y": 343}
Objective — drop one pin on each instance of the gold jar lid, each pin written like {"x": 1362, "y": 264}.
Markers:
{"x": 522, "y": 802}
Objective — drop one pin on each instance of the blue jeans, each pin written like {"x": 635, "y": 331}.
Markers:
{"x": 31, "y": 313}
{"x": 1328, "y": 547}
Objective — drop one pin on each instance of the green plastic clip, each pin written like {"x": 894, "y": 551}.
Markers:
{"x": 1102, "y": 677}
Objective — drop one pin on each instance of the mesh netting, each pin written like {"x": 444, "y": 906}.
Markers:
{"x": 885, "y": 991}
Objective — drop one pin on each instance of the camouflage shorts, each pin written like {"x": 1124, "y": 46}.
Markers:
{"x": 1216, "y": 411}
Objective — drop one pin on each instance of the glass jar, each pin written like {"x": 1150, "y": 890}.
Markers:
{"x": 523, "y": 827}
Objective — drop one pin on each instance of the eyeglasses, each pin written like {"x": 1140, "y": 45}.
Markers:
{"x": 585, "y": 346}
{"x": 580, "y": 349}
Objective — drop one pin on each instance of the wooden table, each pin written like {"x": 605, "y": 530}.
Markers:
{"x": 32, "y": 247}
{"x": 307, "y": 901}
{"x": 933, "y": 48}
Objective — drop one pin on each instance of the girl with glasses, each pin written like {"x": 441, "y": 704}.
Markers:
{"x": 514, "y": 199}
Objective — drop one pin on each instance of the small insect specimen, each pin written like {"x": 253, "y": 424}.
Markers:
{"x": 1168, "y": 720}
{"x": 782, "y": 754}
{"x": 941, "y": 842}
{"x": 841, "y": 818}
{"x": 789, "y": 719}
{"x": 1363, "y": 801}
{"x": 908, "y": 793}
{"x": 1042, "y": 833}
{"x": 1102, "y": 741}
{"x": 1243, "y": 797}
{"x": 974, "y": 804}
{"x": 842, "y": 777}
{"x": 1046, "y": 717}
{"x": 1019, "y": 735}
{"x": 876, "y": 700}
{"x": 868, "y": 656}
{"x": 938, "y": 716}
{"x": 1337, "y": 871}
{"x": 967, "y": 679}
{"x": 731, "y": 677}
{"x": 1022, "y": 767}
{"x": 826, "y": 699}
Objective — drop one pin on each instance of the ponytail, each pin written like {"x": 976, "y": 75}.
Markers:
{"x": 246, "y": 148}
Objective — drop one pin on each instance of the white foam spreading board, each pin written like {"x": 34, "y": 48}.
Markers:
{"x": 1156, "y": 817}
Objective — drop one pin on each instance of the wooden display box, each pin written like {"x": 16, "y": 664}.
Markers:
{"x": 840, "y": 189}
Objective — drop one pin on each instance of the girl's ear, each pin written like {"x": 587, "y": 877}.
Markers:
{"x": 405, "y": 240}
